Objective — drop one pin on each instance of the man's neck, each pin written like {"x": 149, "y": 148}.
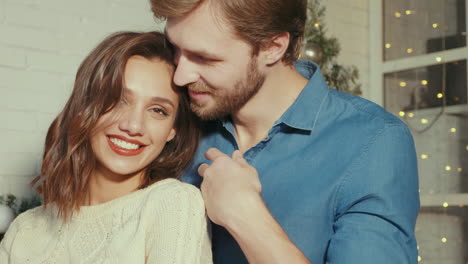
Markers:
{"x": 252, "y": 122}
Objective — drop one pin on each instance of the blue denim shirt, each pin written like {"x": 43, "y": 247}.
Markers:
{"x": 338, "y": 173}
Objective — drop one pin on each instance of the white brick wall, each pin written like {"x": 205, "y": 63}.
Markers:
{"x": 42, "y": 43}
{"x": 349, "y": 22}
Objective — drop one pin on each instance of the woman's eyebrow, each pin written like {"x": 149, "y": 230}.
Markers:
{"x": 158, "y": 99}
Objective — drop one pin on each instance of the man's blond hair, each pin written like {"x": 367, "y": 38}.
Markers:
{"x": 254, "y": 21}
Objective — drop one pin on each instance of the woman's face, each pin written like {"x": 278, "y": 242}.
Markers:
{"x": 131, "y": 136}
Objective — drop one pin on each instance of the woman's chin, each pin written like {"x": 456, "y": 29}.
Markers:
{"x": 121, "y": 172}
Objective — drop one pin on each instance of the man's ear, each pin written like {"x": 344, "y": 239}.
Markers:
{"x": 276, "y": 48}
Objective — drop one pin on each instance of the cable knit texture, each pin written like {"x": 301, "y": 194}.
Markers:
{"x": 163, "y": 223}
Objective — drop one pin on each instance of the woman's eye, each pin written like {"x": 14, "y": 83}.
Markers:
{"x": 160, "y": 111}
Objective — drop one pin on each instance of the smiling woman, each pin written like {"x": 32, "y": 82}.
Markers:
{"x": 111, "y": 162}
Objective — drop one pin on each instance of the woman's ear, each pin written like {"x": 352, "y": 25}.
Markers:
{"x": 171, "y": 135}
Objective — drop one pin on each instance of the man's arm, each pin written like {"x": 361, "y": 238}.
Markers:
{"x": 378, "y": 203}
{"x": 231, "y": 190}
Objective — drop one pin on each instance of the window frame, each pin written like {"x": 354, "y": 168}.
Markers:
{"x": 379, "y": 67}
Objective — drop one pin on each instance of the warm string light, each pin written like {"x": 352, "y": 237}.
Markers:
{"x": 407, "y": 12}
{"x": 447, "y": 168}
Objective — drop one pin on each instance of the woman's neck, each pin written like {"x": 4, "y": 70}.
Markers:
{"x": 105, "y": 185}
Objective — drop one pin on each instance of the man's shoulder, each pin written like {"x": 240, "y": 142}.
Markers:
{"x": 352, "y": 124}
{"x": 364, "y": 113}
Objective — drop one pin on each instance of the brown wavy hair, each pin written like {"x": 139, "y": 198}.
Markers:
{"x": 68, "y": 159}
{"x": 254, "y": 21}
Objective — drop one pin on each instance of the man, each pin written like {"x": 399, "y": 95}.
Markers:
{"x": 292, "y": 171}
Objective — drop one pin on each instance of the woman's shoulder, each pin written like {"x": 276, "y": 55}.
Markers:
{"x": 171, "y": 187}
{"x": 33, "y": 234}
{"x": 34, "y": 217}
{"x": 35, "y": 221}
{"x": 174, "y": 191}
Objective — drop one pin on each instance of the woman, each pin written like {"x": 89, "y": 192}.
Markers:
{"x": 110, "y": 162}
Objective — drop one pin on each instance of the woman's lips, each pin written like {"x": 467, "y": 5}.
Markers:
{"x": 133, "y": 141}
{"x": 124, "y": 151}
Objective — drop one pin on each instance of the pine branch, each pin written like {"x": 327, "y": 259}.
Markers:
{"x": 343, "y": 78}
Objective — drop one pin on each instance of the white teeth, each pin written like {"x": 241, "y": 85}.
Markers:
{"x": 124, "y": 144}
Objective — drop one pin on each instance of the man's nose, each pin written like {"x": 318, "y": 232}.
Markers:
{"x": 186, "y": 71}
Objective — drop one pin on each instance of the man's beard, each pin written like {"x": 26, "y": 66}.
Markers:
{"x": 227, "y": 102}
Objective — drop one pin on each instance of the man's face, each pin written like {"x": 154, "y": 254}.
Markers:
{"x": 218, "y": 68}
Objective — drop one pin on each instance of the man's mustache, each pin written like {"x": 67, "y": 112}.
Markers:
{"x": 200, "y": 87}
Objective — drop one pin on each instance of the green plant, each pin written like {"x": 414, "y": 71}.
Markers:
{"x": 9, "y": 200}
{"x": 20, "y": 205}
{"x": 326, "y": 50}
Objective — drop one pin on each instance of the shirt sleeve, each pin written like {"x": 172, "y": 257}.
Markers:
{"x": 377, "y": 203}
{"x": 180, "y": 231}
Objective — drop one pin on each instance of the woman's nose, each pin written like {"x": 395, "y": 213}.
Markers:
{"x": 131, "y": 122}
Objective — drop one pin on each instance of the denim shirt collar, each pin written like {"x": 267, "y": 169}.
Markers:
{"x": 303, "y": 113}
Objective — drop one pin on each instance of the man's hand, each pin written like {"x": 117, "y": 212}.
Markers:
{"x": 229, "y": 185}
{"x": 231, "y": 190}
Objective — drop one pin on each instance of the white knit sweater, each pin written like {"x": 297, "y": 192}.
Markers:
{"x": 163, "y": 223}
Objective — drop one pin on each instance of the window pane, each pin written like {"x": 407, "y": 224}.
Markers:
{"x": 440, "y": 133}
{"x": 423, "y": 87}
{"x": 441, "y": 234}
{"x": 414, "y": 27}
